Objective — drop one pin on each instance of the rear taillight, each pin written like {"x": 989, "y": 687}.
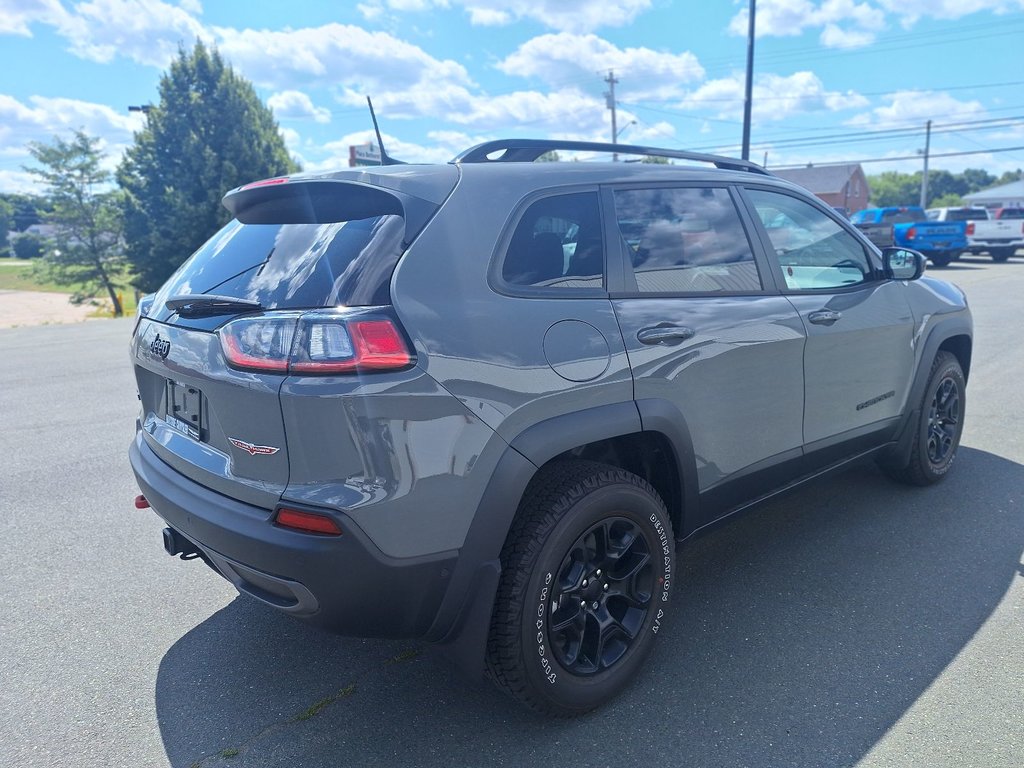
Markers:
{"x": 970, "y": 227}
{"x": 319, "y": 342}
{"x": 911, "y": 233}
{"x": 307, "y": 522}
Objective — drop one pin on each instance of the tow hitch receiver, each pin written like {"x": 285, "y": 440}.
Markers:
{"x": 176, "y": 544}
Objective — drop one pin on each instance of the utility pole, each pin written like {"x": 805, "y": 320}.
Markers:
{"x": 610, "y": 101}
{"x": 748, "y": 101}
{"x": 924, "y": 177}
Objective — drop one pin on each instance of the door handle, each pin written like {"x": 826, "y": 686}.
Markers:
{"x": 665, "y": 334}
{"x": 824, "y": 316}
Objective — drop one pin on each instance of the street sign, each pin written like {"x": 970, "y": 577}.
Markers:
{"x": 363, "y": 154}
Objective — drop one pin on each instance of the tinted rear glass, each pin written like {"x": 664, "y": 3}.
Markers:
{"x": 965, "y": 214}
{"x": 293, "y": 266}
{"x": 901, "y": 217}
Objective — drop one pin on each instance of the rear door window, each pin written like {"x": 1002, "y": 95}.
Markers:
{"x": 686, "y": 240}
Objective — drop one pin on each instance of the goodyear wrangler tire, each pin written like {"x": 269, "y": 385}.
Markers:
{"x": 586, "y": 576}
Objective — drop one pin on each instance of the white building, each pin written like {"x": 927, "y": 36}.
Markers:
{"x": 1004, "y": 196}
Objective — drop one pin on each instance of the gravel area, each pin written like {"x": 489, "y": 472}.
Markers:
{"x": 24, "y": 308}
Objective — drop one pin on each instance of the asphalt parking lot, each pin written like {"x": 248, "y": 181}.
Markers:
{"x": 854, "y": 623}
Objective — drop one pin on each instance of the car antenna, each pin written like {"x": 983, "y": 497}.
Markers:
{"x": 385, "y": 158}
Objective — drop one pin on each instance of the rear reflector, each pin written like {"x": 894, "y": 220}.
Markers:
{"x": 307, "y": 522}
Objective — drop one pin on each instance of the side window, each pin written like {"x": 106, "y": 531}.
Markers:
{"x": 557, "y": 244}
{"x": 686, "y": 240}
{"x": 813, "y": 251}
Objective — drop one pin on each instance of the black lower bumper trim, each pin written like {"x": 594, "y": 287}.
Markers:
{"x": 343, "y": 583}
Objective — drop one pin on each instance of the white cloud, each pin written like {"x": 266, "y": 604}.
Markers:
{"x": 333, "y": 55}
{"x": 18, "y": 181}
{"x": 784, "y": 18}
{"x": 909, "y": 107}
{"x": 44, "y": 117}
{"x": 296, "y": 105}
{"x": 643, "y": 72}
{"x": 16, "y": 16}
{"x": 911, "y": 10}
{"x": 568, "y": 15}
{"x": 334, "y": 154}
{"x": 146, "y": 31}
{"x": 775, "y": 97}
{"x": 41, "y": 119}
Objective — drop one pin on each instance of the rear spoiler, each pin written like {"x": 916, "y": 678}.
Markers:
{"x": 325, "y": 201}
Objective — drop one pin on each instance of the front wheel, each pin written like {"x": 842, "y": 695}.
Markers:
{"x": 586, "y": 572}
{"x": 938, "y": 427}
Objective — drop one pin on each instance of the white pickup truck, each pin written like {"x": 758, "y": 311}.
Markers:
{"x": 999, "y": 237}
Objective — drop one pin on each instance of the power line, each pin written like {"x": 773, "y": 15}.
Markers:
{"x": 992, "y": 151}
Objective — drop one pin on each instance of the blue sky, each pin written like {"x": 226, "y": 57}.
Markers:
{"x": 446, "y": 74}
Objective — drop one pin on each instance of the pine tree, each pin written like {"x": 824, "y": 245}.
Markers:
{"x": 209, "y": 133}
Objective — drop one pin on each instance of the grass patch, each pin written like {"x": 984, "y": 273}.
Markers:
{"x": 23, "y": 277}
{"x": 315, "y": 708}
{"x": 229, "y": 752}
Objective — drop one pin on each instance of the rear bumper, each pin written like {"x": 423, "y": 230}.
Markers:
{"x": 343, "y": 583}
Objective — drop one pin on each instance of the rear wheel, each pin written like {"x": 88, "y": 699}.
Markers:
{"x": 584, "y": 589}
{"x": 1001, "y": 254}
{"x": 938, "y": 426}
{"x": 941, "y": 259}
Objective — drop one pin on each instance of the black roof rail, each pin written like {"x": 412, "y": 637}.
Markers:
{"x": 528, "y": 150}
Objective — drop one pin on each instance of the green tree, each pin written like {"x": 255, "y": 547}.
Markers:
{"x": 6, "y": 222}
{"x": 977, "y": 179}
{"x": 209, "y": 133}
{"x": 86, "y": 213}
{"x": 26, "y": 246}
{"x": 895, "y": 188}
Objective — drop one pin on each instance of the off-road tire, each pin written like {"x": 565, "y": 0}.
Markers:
{"x": 563, "y": 505}
{"x": 931, "y": 458}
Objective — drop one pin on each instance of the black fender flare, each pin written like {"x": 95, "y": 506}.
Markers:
{"x": 463, "y": 619}
{"x": 942, "y": 331}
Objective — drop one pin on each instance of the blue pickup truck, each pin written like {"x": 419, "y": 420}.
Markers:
{"x": 908, "y": 227}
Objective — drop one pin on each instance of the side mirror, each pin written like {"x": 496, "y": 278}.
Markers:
{"x": 902, "y": 263}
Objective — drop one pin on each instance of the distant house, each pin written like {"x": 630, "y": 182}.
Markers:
{"x": 841, "y": 186}
{"x": 1004, "y": 196}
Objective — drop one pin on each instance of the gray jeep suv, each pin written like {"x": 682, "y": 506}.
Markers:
{"x": 481, "y": 403}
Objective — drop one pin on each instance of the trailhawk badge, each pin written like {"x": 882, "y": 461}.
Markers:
{"x": 253, "y": 450}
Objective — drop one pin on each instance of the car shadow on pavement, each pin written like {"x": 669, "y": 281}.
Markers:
{"x": 801, "y": 634}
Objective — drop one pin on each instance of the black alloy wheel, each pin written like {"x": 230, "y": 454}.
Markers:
{"x": 586, "y": 573}
{"x": 943, "y": 421}
{"x": 604, "y": 589}
{"x": 935, "y": 431}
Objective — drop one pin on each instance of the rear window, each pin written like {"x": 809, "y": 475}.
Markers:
{"x": 965, "y": 214}
{"x": 1012, "y": 213}
{"x": 295, "y": 266}
{"x": 901, "y": 216}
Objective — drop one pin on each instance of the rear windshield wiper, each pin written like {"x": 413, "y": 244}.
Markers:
{"x": 206, "y": 305}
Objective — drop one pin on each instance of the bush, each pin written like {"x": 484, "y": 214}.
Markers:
{"x": 27, "y": 247}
